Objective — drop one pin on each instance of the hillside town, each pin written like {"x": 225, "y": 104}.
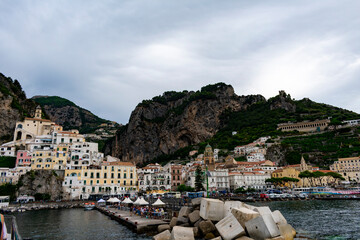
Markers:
{"x": 40, "y": 144}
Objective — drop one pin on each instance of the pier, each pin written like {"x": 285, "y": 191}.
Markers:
{"x": 135, "y": 223}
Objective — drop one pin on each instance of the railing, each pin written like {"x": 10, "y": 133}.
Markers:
{"x": 14, "y": 232}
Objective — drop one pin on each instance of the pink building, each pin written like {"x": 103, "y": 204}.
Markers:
{"x": 23, "y": 158}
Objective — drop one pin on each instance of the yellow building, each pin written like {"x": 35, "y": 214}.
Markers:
{"x": 31, "y": 127}
{"x": 42, "y": 159}
{"x": 109, "y": 178}
{"x": 61, "y": 157}
{"x": 349, "y": 168}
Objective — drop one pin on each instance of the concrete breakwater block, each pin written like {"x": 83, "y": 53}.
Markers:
{"x": 206, "y": 227}
{"x": 249, "y": 206}
{"x": 230, "y": 228}
{"x": 229, "y": 205}
{"x": 165, "y": 235}
{"x": 163, "y": 227}
{"x": 212, "y": 209}
{"x": 287, "y": 231}
{"x": 182, "y": 220}
{"x": 244, "y": 214}
{"x": 194, "y": 216}
{"x": 184, "y": 212}
{"x": 262, "y": 227}
{"x": 244, "y": 238}
{"x": 182, "y": 233}
{"x": 278, "y": 217}
{"x": 173, "y": 222}
{"x": 196, "y": 201}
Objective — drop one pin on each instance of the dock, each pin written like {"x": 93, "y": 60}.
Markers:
{"x": 135, "y": 223}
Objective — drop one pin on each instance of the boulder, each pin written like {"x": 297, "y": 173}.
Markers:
{"x": 249, "y": 206}
{"x": 278, "y": 217}
{"x": 173, "y": 222}
{"x": 182, "y": 220}
{"x": 276, "y": 238}
{"x": 184, "y": 212}
{"x": 287, "y": 231}
{"x": 165, "y": 235}
{"x": 263, "y": 211}
{"x": 262, "y": 227}
{"x": 229, "y": 205}
{"x": 197, "y": 223}
{"x": 163, "y": 227}
{"x": 196, "y": 202}
{"x": 182, "y": 233}
{"x": 194, "y": 216}
{"x": 196, "y": 232}
{"x": 206, "y": 227}
{"x": 229, "y": 228}
{"x": 243, "y": 215}
{"x": 209, "y": 236}
{"x": 244, "y": 238}
{"x": 211, "y": 209}
{"x": 185, "y": 225}
{"x": 217, "y": 238}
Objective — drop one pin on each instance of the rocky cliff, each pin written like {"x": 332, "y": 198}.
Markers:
{"x": 14, "y": 106}
{"x": 175, "y": 120}
{"x": 44, "y": 182}
{"x": 68, "y": 114}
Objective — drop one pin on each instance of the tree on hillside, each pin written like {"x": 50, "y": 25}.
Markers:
{"x": 199, "y": 179}
{"x": 184, "y": 188}
{"x": 279, "y": 182}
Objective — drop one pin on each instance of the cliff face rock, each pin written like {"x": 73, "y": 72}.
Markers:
{"x": 283, "y": 101}
{"x": 68, "y": 114}
{"x": 175, "y": 120}
{"x": 14, "y": 106}
{"x": 44, "y": 182}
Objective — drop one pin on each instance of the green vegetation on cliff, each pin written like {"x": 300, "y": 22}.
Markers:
{"x": 77, "y": 117}
{"x": 261, "y": 119}
{"x": 7, "y": 162}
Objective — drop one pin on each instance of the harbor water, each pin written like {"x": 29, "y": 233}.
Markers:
{"x": 315, "y": 219}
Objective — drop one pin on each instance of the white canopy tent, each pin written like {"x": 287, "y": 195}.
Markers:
{"x": 142, "y": 202}
{"x": 159, "y": 203}
{"x": 127, "y": 200}
{"x": 114, "y": 200}
{"x": 101, "y": 201}
{"x": 137, "y": 201}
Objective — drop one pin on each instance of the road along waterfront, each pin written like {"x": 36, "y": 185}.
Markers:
{"x": 316, "y": 219}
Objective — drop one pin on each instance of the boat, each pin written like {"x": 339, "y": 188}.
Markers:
{"x": 89, "y": 206}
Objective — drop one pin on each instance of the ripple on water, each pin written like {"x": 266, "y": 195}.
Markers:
{"x": 72, "y": 224}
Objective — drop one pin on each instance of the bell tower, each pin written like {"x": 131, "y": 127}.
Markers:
{"x": 38, "y": 112}
{"x": 209, "y": 157}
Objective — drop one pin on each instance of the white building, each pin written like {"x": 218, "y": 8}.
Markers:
{"x": 255, "y": 157}
{"x": 254, "y": 180}
{"x": 7, "y": 151}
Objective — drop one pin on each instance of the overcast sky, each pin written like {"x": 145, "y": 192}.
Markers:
{"x": 107, "y": 56}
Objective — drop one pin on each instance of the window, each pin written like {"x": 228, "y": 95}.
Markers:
{"x": 124, "y": 183}
{"x": 92, "y": 175}
{"x": 97, "y": 175}
{"x": 124, "y": 175}
{"x": 112, "y": 175}
{"x": 105, "y": 175}
{"x": 119, "y": 175}
{"x": 85, "y": 174}
{"x": 131, "y": 175}
{"x": 112, "y": 168}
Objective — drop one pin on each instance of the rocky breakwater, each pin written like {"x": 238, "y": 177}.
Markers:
{"x": 215, "y": 219}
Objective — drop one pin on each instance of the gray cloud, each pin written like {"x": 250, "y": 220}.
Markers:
{"x": 107, "y": 56}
